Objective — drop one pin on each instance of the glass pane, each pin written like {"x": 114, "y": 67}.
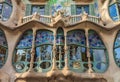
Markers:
{"x": 96, "y": 9}
{"x": 3, "y": 49}
{"x": 76, "y": 37}
{"x": 26, "y": 40}
{"x": 117, "y": 41}
{"x": 113, "y": 12}
{"x": 78, "y": 10}
{"x": 7, "y": 10}
{"x": 1, "y": 6}
{"x": 22, "y": 54}
{"x": 82, "y": 8}
{"x": 99, "y": 55}
{"x": 44, "y": 37}
{"x": 76, "y": 50}
{"x": 117, "y": 56}
{"x": 44, "y": 46}
{"x": 97, "y": 52}
{"x": 86, "y": 9}
{"x": 60, "y": 48}
{"x": 60, "y": 36}
{"x": 117, "y": 49}
{"x": 38, "y": 8}
{"x": 94, "y": 40}
{"x": 34, "y": 9}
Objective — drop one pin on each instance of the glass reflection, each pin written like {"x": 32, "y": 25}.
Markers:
{"x": 22, "y": 55}
{"x": 97, "y": 52}
{"x": 43, "y": 55}
{"x": 77, "y": 51}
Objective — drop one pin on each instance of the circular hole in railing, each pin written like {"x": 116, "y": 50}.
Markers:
{"x": 19, "y": 66}
{"x": 45, "y": 65}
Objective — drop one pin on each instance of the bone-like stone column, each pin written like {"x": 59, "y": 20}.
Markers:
{"x": 32, "y": 51}
{"x": 66, "y": 52}
{"x": 54, "y": 53}
{"x": 88, "y": 52}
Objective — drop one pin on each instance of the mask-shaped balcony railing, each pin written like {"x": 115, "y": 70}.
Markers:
{"x": 69, "y": 20}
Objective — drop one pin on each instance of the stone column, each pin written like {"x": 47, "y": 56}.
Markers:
{"x": 88, "y": 52}
{"x": 32, "y": 52}
{"x": 66, "y": 52}
{"x": 54, "y": 53}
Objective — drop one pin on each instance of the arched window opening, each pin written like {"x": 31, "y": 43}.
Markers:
{"x": 44, "y": 46}
{"x": 22, "y": 55}
{"x": 117, "y": 49}
{"x": 76, "y": 43}
{"x": 3, "y": 49}
{"x": 5, "y": 10}
{"x": 98, "y": 52}
{"x": 60, "y": 48}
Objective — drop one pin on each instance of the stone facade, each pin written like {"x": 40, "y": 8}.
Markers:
{"x": 18, "y": 23}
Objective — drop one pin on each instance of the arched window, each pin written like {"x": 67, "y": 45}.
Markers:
{"x": 117, "y": 49}
{"x": 60, "y": 48}
{"x": 5, "y": 10}
{"x": 3, "y": 49}
{"x": 44, "y": 46}
{"x": 98, "y": 52}
{"x": 22, "y": 54}
{"x": 76, "y": 43}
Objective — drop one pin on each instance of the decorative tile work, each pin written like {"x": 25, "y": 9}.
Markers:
{"x": 94, "y": 40}
{"x": 76, "y": 37}
{"x": 44, "y": 37}
{"x": 26, "y": 40}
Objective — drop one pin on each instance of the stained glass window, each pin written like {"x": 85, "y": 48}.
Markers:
{"x": 117, "y": 49}
{"x": 77, "y": 52}
{"x": 98, "y": 52}
{"x": 3, "y": 49}
{"x": 22, "y": 54}
{"x": 44, "y": 45}
{"x": 5, "y": 10}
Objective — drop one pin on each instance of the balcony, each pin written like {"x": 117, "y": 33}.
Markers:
{"x": 68, "y": 20}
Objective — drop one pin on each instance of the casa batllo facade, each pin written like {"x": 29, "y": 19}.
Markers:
{"x": 59, "y": 40}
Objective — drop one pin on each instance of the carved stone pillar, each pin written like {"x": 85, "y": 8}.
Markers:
{"x": 54, "y": 54}
{"x": 32, "y": 51}
{"x": 88, "y": 52}
{"x": 66, "y": 53}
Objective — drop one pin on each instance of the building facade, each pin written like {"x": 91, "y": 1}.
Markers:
{"x": 59, "y": 40}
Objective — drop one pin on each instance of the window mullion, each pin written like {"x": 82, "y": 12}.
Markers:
{"x": 66, "y": 52}
{"x": 32, "y": 51}
{"x": 88, "y": 52}
{"x": 54, "y": 53}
